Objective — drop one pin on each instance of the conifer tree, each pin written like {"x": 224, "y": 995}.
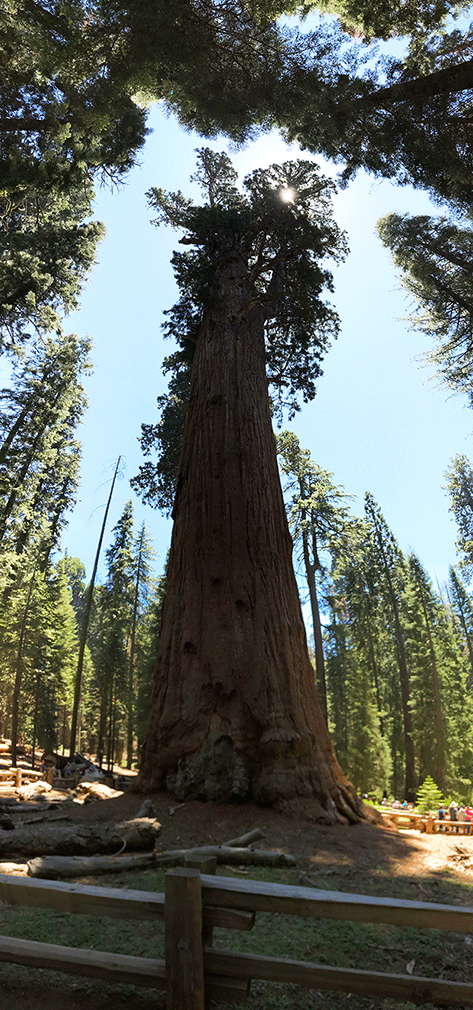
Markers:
{"x": 75, "y": 573}
{"x": 423, "y": 614}
{"x": 390, "y": 568}
{"x": 85, "y": 621}
{"x": 70, "y": 98}
{"x": 435, "y": 257}
{"x": 387, "y": 17}
{"x": 460, "y": 487}
{"x": 406, "y": 120}
{"x": 150, "y": 631}
{"x": 64, "y": 114}
{"x": 143, "y": 555}
{"x": 429, "y": 796}
{"x": 457, "y": 704}
{"x": 39, "y": 454}
{"x": 318, "y": 521}
{"x": 359, "y": 663}
{"x": 462, "y": 606}
{"x": 232, "y": 633}
{"x": 39, "y": 649}
{"x": 46, "y": 251}
{"x": 117, "y": 599}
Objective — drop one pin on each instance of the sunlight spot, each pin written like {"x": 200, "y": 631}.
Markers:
{"x": 287, "y": 195}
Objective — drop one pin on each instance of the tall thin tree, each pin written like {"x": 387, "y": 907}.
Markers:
{"x": 85, "y": 620}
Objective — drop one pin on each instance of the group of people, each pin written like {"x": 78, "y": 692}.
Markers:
{"x": 462, "y": 815}
{"x": 397, "y": 805}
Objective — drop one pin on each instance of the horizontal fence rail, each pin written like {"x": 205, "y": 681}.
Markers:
{"x": 194, "y": 904}
{"x": 117, "y": 904}
{"x": 307, "y": 901}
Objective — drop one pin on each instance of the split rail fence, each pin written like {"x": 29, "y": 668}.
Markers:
{"x": 420, "y": 822}
{"x": 193, "y": 972}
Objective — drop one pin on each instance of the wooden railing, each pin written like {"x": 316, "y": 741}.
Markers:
{"x": 426, "y": 822}
{"x": 193, "y": 904}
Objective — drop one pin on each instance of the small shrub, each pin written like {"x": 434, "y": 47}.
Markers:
{"x": 429, "y": 796}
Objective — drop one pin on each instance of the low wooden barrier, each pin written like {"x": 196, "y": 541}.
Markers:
{"x": 453, "y": 827}
{"x": 405, "y": 819}
{"x": 20, "y": 776}
{"x": 426, "y": 822}
{"x": 193, "y": 904}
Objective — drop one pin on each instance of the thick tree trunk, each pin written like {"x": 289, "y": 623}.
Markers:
{"x": 234, "y": 711}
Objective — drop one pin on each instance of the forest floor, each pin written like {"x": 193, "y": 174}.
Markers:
{"x": 363, "y": 858}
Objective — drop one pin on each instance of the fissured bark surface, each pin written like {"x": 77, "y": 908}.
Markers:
{"x": 234, "y": 711}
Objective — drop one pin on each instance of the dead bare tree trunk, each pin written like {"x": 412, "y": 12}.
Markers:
{"x": 85, "y": 623}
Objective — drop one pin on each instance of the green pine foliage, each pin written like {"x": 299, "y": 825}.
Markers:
{"x": 460, "y": 488}
{"x": 283, "y": 247}
{"x": 424, "y": 628}
{"x": 387, "y": 18}
{"x": 429, "y": 796}
{"x": 435, "y": 259}
{"x": 44, "y": 624}
{"x": 318, "y": 520}
{"x": 370, "y": 599}
{"x": 39, "y": 453}
{"x": 121, "y": 638}
{"x": 47, "y": 249}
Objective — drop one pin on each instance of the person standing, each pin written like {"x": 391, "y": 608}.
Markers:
{"x": 453, "y": 813}
{"x": 468, "y": 815}
{"x": 462, "y": 820}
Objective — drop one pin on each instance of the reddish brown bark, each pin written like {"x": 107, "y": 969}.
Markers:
{"x": 234, "y": 711}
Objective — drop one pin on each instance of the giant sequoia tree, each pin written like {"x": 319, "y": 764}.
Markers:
{"x": 234, "y": 711}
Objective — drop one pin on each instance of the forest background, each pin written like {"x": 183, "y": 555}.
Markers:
{"x": 377, "y": 424}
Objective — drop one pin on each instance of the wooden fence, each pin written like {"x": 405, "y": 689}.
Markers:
{"x": 425, "y": 822}
{"x": 193, "y": 904}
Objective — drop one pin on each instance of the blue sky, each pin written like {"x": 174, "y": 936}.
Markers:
{"x": 378, "y": 422}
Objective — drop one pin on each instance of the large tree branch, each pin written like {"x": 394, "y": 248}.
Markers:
{"x": 60, "y": 25}
{"x": 31, "y": 124}
{"x": 448, "y": 80}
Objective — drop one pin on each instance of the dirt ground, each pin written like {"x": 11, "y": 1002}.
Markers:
{"x": 348, "y": 855}
{"x": 354, "y": 849}
{"x": 359, "y": 848}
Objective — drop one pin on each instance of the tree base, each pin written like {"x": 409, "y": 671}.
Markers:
{"x": 283, "y": 774}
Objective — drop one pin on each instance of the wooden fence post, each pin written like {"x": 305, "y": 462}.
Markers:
{"x": 208, "y": 865}
{"x": 183, "y": 936}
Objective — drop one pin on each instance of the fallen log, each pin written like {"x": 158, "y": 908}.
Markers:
{"x": 60, "y": 867}
{"x": 226, "y": 854}
{"x": 34, "y": 789}
{"x": 47, "y": 818}
{"x": 97, "y": 791}
{"x": 80, "y": 839}
{"x": 13, "y": 805}
{"x": 244, "y": 840}
{"x": 13, "y": 869}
